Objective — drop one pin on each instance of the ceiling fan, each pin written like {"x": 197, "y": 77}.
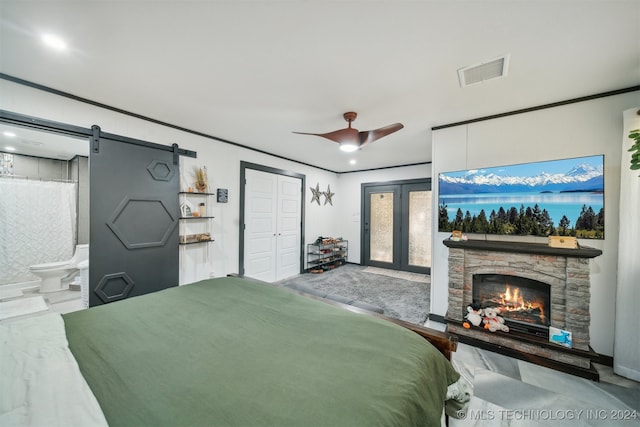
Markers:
{"x": 351, "y": 139}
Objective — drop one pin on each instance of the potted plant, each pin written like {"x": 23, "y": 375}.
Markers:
{"x": 635, "y": 149}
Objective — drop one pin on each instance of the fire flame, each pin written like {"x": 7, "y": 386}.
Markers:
{"x": 513, "y": 301}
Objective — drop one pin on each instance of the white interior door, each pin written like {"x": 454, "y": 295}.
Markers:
{"x": 289, "y": 218}
{"x": 261, "y": 227}
{"x": 272, "y": 218}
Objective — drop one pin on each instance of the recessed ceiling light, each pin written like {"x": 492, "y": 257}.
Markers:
{"x": 352, "y": 162}
{"x": 9, "y": 134}
{"x": 10, "y": 148}
{"x": 54, "y": 42}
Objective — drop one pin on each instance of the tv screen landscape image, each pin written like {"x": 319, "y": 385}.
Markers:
{"x": 555, "y": 197}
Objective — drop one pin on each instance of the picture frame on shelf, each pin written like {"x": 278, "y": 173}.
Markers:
{"x": 186, "y": 209}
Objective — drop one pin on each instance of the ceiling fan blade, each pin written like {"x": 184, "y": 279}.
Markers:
{"x": 367, "y": 136}
{"x": 338, "y": 136}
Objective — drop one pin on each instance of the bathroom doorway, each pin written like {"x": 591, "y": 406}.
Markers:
{"x": 44, "y": 200}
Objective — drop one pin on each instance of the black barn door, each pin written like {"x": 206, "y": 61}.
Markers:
{"x": 134, "y": 215}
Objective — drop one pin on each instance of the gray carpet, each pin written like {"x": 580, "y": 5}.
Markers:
{"x": 401, "y": 299}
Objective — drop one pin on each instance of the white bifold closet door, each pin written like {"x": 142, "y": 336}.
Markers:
{"x": 272, "y": 220}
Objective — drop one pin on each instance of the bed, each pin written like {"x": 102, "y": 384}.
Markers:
{"x": 237, "y": 352}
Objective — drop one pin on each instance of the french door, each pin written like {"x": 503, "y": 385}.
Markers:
{"x": 396, "y": 225}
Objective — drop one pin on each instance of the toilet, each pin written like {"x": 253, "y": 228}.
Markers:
{"x": 55, "y": 276}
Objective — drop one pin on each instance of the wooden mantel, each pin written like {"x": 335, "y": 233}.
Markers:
{"x": 522, "y": 247}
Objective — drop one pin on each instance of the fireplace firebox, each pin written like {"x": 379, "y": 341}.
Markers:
{"x": 524, "y": 303}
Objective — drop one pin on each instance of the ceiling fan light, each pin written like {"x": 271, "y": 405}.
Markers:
{"x": 348, "y": 147}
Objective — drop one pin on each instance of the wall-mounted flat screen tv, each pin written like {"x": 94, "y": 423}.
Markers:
{"x": 556, "y": 197}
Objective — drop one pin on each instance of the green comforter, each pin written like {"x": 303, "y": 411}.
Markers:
{"x": 232, "y": 352}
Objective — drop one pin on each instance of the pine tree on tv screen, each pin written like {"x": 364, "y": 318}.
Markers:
{"x": 557, "y": 197}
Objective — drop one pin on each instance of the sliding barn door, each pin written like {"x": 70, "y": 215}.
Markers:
{"x": 134, "y": 214}
{"x": 272, "y": 225}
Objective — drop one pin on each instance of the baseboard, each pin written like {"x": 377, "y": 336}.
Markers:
{"x": 436, "y": 318}
{"x": 603, "y": 359}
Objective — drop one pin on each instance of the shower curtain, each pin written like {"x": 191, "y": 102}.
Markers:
{"x": 37, "y": 225}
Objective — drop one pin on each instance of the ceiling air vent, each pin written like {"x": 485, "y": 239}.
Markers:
{"x": 484, "y": 71}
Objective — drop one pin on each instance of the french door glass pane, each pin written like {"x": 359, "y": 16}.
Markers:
{"x": 420, "y": 228}
{"x": 381, "y": 227}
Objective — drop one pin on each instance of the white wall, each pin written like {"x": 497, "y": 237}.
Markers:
{"x": 349, "y": 185}
{"x": 575, "y": 130}
{"x": 222, "y": 161}
{"x": 626, "y": 349}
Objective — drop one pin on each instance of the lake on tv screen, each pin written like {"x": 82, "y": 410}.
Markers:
{"x": 557, "y": 204}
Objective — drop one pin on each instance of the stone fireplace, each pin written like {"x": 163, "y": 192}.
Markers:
{"x": 535, "y": 287}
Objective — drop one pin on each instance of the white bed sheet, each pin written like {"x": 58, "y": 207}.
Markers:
{"x": 41, "y": 384}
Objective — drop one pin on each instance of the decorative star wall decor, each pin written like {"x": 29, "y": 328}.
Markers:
{"x": 327, "y": 196}
{"x": 316, "y": 193}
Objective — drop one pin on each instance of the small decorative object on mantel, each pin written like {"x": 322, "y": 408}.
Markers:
{"x": 316, "y": 193}
{"x": 456, "y": 235}
{"x": 327, "y": 196}
{"x": 565, "y": 242}
{"x": 201, "y": 180}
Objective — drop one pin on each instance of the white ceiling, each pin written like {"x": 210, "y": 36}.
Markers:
{"x": 251, "y": 72}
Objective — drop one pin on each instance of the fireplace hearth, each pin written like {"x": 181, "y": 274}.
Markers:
{"x": 535, "y": 287}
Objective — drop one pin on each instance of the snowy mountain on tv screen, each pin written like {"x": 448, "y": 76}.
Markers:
{"x": 582, "y": 177}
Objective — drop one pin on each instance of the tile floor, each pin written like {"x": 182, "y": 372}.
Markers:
{"x": 511, "y": 392}
{"x": 33, "y": 303}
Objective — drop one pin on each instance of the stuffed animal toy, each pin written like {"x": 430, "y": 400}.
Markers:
{"x": 473, "y": 316}
{"x": 492, "y": 320}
